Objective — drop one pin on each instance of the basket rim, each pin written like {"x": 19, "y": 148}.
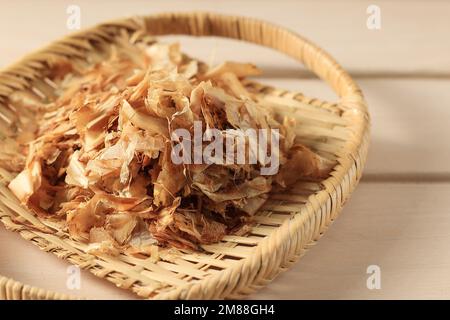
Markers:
{"x": 252, "y": 271}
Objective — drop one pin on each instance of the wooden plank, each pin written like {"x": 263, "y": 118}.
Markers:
{"x": 402, "y": 228}
{"x": 409, "y": 32}
{"x": 410, "y": 130}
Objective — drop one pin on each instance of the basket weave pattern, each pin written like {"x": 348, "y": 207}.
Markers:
{"x": 287, "y": 225}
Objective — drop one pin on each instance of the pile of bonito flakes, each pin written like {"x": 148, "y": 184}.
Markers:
{"x": 98, "y": 155}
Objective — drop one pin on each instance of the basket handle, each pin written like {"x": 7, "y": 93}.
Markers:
{"x": 265, "y": 34}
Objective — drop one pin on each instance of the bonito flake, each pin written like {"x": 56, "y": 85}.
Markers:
{"x": 100, "y": 156}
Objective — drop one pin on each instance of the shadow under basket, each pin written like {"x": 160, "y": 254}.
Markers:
{"x": 287, "y": 225}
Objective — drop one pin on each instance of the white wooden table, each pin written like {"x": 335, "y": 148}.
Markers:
{"x": 399, "y": 216}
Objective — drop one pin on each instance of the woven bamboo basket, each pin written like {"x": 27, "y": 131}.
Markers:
{"x": 286, "y": 227}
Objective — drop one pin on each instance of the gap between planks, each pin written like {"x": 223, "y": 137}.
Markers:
{"x": 358, "y": 74}
{"x": 413, "y": 177}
